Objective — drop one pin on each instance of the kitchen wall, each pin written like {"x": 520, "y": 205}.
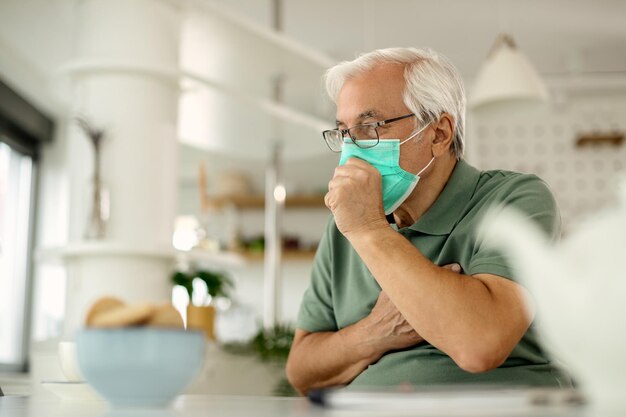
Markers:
{"x": 541, "y": 140}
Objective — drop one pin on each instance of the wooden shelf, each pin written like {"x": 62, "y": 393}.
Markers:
{"x": 217, "y": 258}
{"x": 240, "y": 258}
{"x": 594, "y": 139}
{"x": 288, "y": 255}
{"x": 258, "y": 201}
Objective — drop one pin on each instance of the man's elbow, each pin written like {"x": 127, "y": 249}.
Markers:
{"x": 480, "y": 361}
{"x": 291, "y": 371}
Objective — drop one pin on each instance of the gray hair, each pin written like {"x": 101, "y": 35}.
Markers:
{"x": 433, "y": 85}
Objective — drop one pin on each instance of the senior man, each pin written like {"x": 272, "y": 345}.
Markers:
{"x": 401, "y": 291}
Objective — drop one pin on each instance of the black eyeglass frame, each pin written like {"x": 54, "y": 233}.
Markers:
{"x": 374, "y": 125}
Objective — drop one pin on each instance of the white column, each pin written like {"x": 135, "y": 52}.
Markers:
{"x": 274, "y": 203}
{"x": 125, "y": 80}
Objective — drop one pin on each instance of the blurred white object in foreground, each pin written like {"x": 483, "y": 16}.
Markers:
{"x": 579, "y": 287}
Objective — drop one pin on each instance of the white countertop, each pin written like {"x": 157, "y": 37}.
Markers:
{"x": 186, "y": 405}
{"x": 238, "y": 406}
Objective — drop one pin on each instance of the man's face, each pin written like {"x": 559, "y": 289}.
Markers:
{"x": 377, "y": 95}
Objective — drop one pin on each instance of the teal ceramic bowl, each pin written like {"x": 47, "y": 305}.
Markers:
{"x": 139, "y": 367}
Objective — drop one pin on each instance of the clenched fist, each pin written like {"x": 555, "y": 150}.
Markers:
{"x": 355, "y": 197}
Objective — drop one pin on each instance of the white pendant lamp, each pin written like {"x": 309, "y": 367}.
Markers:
{"x": 506, "y": 75}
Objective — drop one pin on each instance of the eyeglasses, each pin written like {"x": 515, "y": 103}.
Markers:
{"x": 364, "y": 135}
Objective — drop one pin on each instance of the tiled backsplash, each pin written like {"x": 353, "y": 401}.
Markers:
{"x": 542, "y": 140}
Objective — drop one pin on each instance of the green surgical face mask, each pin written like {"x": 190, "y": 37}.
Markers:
{"x": 385, "y": 157}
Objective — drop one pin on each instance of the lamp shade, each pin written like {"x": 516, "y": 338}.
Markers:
{"x": 506, "y": 75}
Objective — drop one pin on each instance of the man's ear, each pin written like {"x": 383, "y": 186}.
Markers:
{"x": 444, "y": 135}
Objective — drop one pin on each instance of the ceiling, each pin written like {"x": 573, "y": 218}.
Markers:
{"x": 559, "y": 36}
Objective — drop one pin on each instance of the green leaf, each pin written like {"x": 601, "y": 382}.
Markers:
{"x": 184, "y": 280}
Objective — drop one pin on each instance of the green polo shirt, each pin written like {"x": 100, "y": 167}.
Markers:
{"x": 342, "y": 291}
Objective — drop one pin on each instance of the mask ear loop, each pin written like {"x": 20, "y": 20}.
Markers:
{"x": 416, "y": 133}
{"x": 411, "y": 137}
{"x": 426, "y": 167}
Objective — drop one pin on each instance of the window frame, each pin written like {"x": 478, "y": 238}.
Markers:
{"x": 25, "y": 129}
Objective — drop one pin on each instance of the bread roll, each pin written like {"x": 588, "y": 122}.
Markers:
{"x": 102, "y": 305}
{"x": 126, "y": 315}
{"x": 166, "y": 316}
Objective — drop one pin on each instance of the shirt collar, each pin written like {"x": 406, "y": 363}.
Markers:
{"x": 447, "y": 209}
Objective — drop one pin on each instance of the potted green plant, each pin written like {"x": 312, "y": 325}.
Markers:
{"x": 202, "y": 316}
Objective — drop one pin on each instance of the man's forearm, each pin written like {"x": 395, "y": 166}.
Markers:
{"x": 328, "y": 359}
{"x": 447, "y": 309}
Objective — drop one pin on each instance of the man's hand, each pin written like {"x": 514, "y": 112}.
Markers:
{"x": 388, "y": 328}
{"x": 388, "y": 325}
{"x": 326, "y": 359}
{"x": 355, "y": 197}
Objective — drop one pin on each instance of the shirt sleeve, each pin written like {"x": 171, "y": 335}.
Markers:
{"x": 316, "y": 310}
{"x": 532, "y": 197}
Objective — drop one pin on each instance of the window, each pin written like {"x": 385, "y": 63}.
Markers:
{"x": 22, "y": 131}
{"x": 16, "y": 187}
